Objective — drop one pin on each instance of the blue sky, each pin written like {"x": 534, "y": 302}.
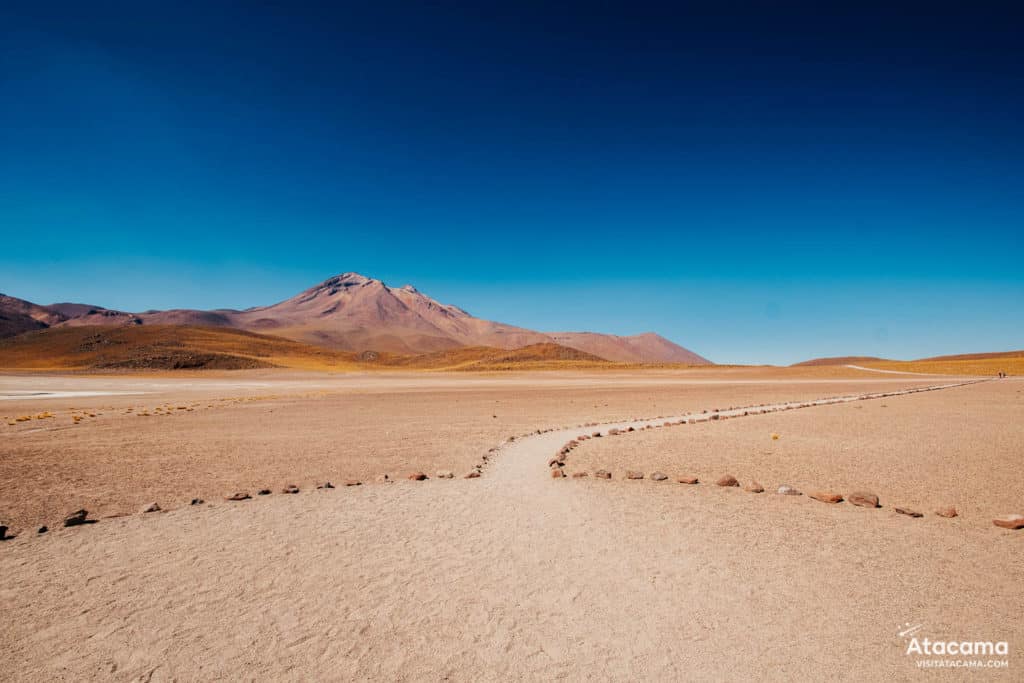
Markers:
{"x": 757, "y": 184}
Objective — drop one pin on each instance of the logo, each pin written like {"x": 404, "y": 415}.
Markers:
{"x": 953, "y": 654}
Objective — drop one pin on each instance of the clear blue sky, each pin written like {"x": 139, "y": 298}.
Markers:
{"x": 757, "y": 184}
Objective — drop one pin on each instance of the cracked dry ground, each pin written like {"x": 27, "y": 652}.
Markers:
{"x": 517, "y": 575}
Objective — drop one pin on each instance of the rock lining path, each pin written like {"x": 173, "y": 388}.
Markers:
{"x": 508, "y": 576}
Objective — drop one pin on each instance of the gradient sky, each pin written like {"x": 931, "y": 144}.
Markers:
{"x": 757, "y": 184}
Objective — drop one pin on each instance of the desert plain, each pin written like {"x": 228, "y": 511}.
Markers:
{"x": 515, "y": 573}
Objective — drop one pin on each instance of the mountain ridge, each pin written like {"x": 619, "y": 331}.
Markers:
{"x": 352, "y": 312}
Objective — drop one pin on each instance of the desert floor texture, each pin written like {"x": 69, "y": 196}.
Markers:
{"x": 514, "y": 574}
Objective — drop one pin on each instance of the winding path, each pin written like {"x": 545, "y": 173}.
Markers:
{"x": 507, "y": 576}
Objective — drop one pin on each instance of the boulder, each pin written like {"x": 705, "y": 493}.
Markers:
{"x": 383, "y": 479}
{"x": 290, "y": 488}
{"x": 196, "y": 501}
{"x": 417, "y": 476}
{"x": 445, "y": 474}
{"x": 826, "y": 497}
{"x": 908, "y": 512}
{"x": 659, "y": 476}
{"x": 354, "y": 482}
{"x": 630, "y": 474}
{"x": 727, "y": 480}
{"x": 753, "y": 487}
{"x": 3, "y": 533}
{"x": 688, "y": 480}
{"x": 241, "y": 495}
{"x": 1009, "y": 521}
{"x": 948, "y": 511}
{"x": 473, "y": 474}
{"x": 43, "y": 529}
{"x": 152, "y": 507}
{"x": 863, "y": 499}
{"x": 579, "y": 475}
{"x": 76, "y": 518}
{"x": 263, "y": 492}
{"x": 785, "y": 490}
{"x": 603, "y": 474}
{"x": 557, "y": 473}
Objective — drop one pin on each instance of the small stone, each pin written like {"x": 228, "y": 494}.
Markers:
{"x": 688, "y": 480}
{"x": 76, "y": 518}
{"x": 908, "y": 512}
{"x": 383, "y": 479}
{"x": 290, "y": 488}
{"x": 241, "y": 495}
{"x": 3, "y": 533}
{"x": 1009, "y": 521}
{"x": 263, "y": 492}
{"x": 753, "y": 487}
{"x": 557, "y": 473}
{"x": 325, "y": 485}
{"x": 788, "y": 491}
{"x": 631, "y": 429}
{"x": 630, "y": 474}
{"x": 826, "y": 497}
{"x": 417, "y": 476}
{"x": 659, "y": 476}
{"x": 727, "y": 480}
{"x": 354, "y": 482}
{"x": 472, "y": 474}
{"x": 152, "y": 507}
{"x": 596, "y": 435}
{"x": 43, "y": 529}
{"x": 949, "y": 511}
{"x": 196, "y": 501}
{"x": 863, "y": 499}
{"x": 603, "y": 474}
{"x": 579, "y": 475}
{"x": 445, "y": 474}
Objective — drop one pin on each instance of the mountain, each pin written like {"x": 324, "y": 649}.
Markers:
{"x": 640, "y": 348}
{"x": 18, "y": 315}
{"x": 351, "y": 312}
{"x": 354, "y": 312}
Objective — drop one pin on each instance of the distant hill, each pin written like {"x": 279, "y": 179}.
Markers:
{"x": 838, "y": 360}
{"x": 183, "y": 347}
{"x": 857, "y": 360}
{"x": 157, "y": 347}
{"x": 18, "y": 316}
{"x": 351, "y": 312}
{"x": 978, "y": 364}
{"x": 978, "y": 356}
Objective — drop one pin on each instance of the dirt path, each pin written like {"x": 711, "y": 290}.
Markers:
{"x": 509, "y": 576}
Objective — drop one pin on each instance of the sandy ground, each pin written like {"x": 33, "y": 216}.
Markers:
{"x": 206, "y": 437}
{"x": 517, "y": 575}
{"x": 926, "y": 450}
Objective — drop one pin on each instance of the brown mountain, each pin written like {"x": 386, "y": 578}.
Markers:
{"x": 355, "y": 313}
{"x": 18, "y": 315}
